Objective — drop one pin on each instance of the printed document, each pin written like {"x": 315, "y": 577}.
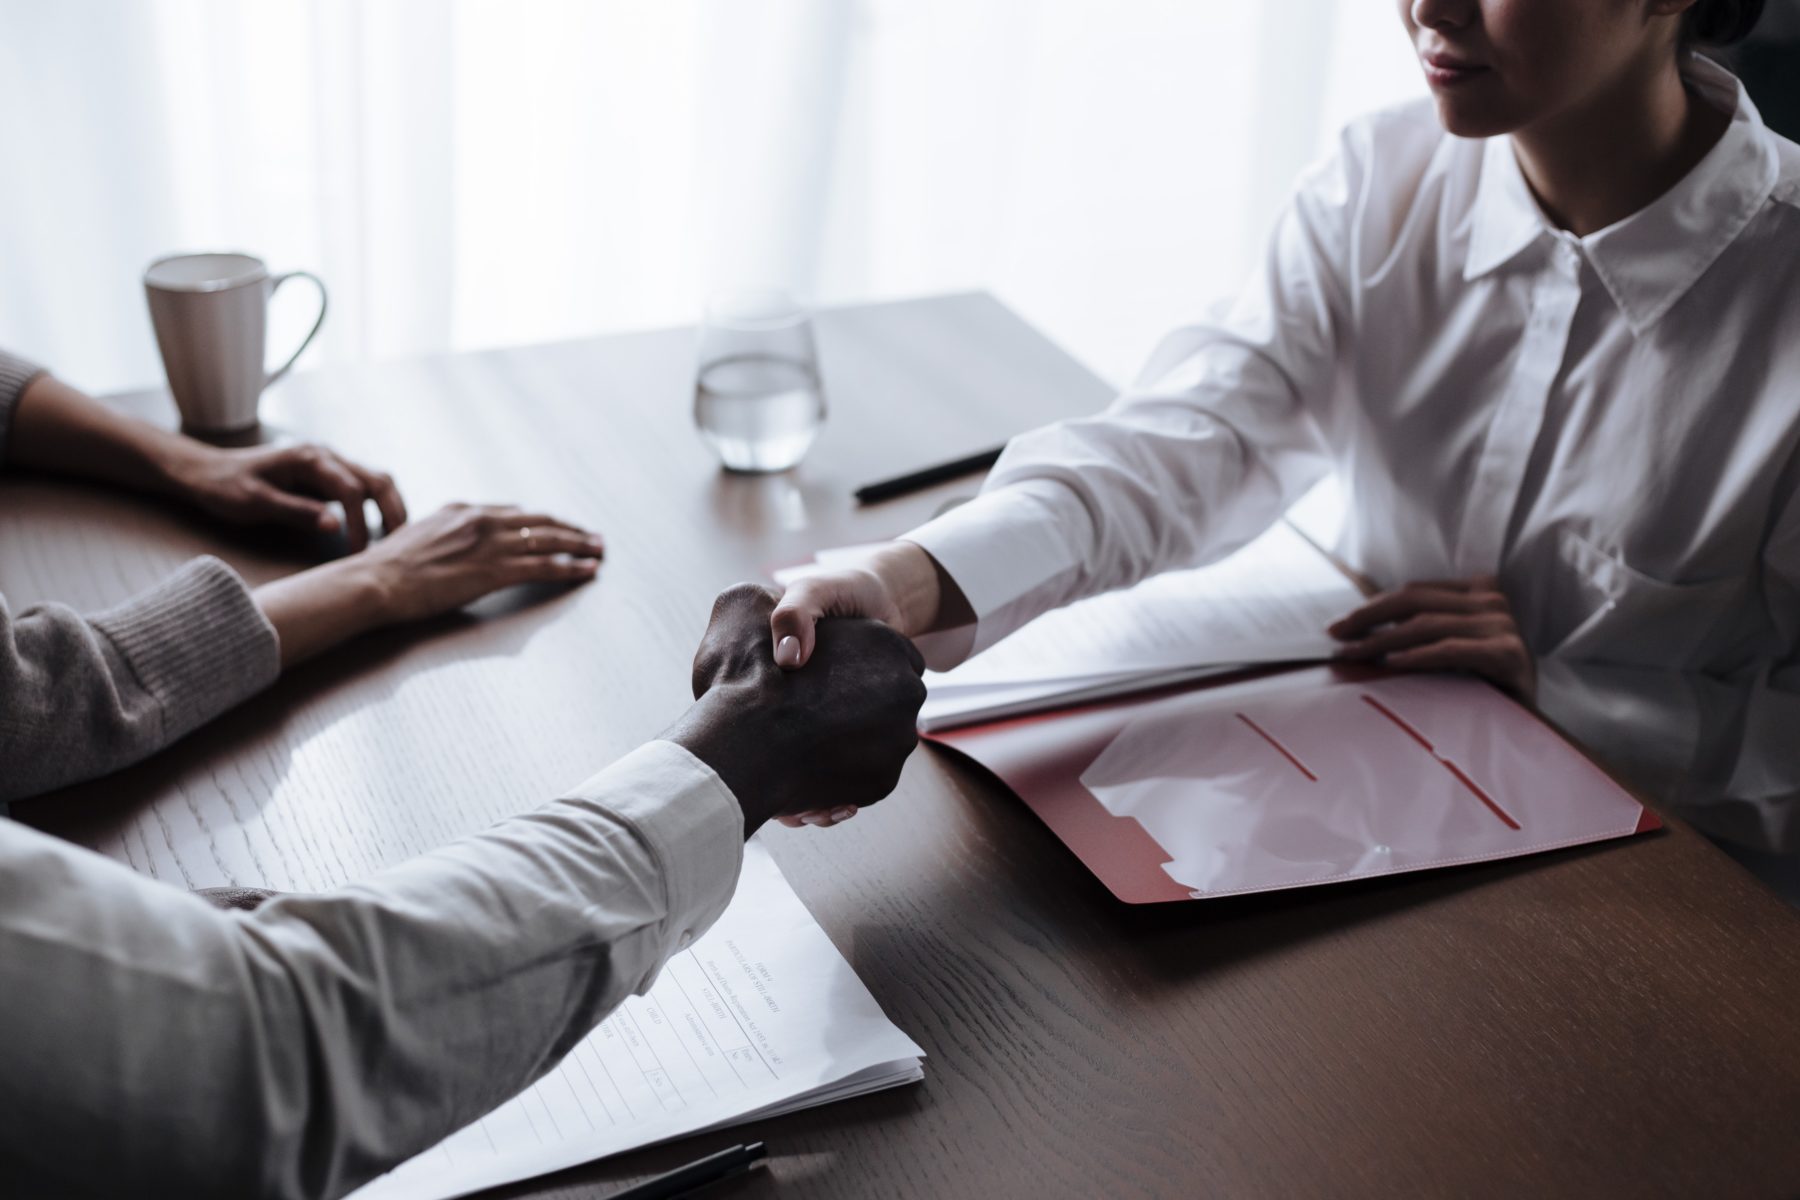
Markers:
{"x": 761, "y": 1016}
{"x": 1268, "y": 603}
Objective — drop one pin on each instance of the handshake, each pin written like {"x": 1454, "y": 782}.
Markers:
{"x": 818, "y": 740}
{"x": 805, "y": 745}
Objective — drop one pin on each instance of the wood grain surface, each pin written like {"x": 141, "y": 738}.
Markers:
{"x": 1610, "y": 1021}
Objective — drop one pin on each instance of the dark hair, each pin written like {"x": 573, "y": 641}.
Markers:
{"x": 1719, "y": 22}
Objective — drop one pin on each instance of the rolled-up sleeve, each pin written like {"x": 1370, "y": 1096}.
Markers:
{"x": 158, "y": 1045}
{"x": 15, "y": 375}
{"x": 81, "y": 696}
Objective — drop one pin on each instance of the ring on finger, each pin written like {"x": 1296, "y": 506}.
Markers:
{"x": 525, "y": 536}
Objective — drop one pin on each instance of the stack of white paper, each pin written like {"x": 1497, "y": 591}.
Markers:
{"x": 761, "y": 1016}
{"x": 1268, "y": 603}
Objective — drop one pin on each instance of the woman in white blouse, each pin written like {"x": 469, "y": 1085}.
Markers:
{"x": 1544, "y": 327}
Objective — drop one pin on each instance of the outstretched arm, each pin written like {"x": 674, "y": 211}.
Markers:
{"x": 158, "y": 1044}
{"x": 1222, "y": 433}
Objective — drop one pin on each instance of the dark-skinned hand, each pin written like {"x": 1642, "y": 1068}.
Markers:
{"x": 829, "y": 736}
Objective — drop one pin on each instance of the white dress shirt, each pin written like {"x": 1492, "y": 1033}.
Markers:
{"x": 1608, "y": 423}
{"x": 155, "y": 1045}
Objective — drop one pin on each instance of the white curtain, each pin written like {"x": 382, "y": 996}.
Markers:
{"x": 468, "y": 173}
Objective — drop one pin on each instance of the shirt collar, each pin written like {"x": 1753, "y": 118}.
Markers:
{"x": 1648, "y": 260}
{"x": 1506, "y": 217}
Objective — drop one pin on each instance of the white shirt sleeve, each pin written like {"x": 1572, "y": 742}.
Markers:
{"x": 157, "y": 1044}
{"x": 1218, "y": 437}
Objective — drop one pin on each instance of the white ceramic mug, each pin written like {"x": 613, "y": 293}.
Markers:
{"x": 211, "y": 314}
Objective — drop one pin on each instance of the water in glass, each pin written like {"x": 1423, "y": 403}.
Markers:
{"x": 759, "y": 411}
{"x": 757, "y": 395}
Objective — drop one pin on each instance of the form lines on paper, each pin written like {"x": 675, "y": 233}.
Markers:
{"x": 748, "y": 1040}
{"x": 1281, "y": 749}
{"x": 592, "y": 1087}
{"x": 709, "y": 1033}
{"x": 675, "y": 1029}
{"x": 531, "y": 1124}
{"x": 656, "y": 1058}
{"x": 1449, "y": 766}
{"x": 623, "y": 1099}
{"x": 537, "y": 1093}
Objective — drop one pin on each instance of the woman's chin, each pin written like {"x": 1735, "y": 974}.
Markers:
{"x": 1462, "y": 116}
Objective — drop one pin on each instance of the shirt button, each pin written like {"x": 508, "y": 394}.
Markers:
{"x": 687, "y": 938}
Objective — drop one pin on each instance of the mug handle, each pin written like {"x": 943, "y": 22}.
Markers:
{"x": 312, "y": 333}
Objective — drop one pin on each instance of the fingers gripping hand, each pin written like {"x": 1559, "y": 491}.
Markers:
{"x": 832, "y": 735}
{"x": 1446, "y": 625}
{"x": 793, "y": 625}
{"x": 837, "y": 813}
{"x": 737, "y": 648}
{"x": 849, "y": 592}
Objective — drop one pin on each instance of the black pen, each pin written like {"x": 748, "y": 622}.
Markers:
{"x": 887, "y": 489}
{"x": 697, "y": 1174}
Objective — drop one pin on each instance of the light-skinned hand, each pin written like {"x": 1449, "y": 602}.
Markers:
{"x": 1442, "y": 625}
{"x": 901, "y": 586}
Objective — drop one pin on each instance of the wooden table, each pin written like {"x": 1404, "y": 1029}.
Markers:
{"x": 1614, "y": 1020}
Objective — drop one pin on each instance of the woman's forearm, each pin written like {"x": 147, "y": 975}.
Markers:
{"x": 58, "y": 428}
{"x": 324, "y": 606}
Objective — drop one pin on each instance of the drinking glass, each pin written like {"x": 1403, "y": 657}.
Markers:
{"x": 757, "y": 395}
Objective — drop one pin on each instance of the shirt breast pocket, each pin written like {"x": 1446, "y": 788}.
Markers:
{"x": 1635, "y": 619}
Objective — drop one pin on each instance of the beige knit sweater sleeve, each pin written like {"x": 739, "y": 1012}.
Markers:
{"x": 81, "y": 696}
{"x": 15, "y": 373}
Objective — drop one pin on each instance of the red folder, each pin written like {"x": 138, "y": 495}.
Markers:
{"x": 1296, "y": 778}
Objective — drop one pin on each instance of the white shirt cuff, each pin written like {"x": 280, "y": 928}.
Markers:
{"x": 691, "y": 822}
{"x": 1013, "y": 552}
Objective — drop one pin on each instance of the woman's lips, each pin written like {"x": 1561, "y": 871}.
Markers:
{"x": 1446, "y": 70}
